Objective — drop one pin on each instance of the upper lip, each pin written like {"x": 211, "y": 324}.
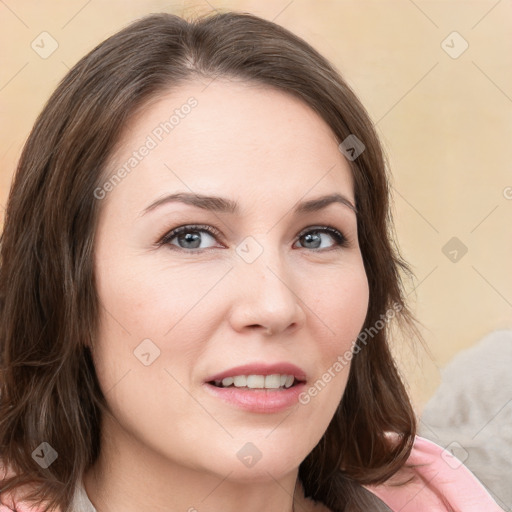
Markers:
{"x": 261, "y": 369}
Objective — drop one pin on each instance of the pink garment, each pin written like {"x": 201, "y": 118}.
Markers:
{"x": 441, "y": 483}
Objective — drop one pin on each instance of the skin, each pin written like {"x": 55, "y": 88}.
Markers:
{"x": 169, "y": 445}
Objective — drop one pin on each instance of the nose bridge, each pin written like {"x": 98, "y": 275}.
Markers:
{"x": 263, "y": 263}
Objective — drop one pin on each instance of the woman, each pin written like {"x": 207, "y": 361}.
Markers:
{"x": 145, "y": 371}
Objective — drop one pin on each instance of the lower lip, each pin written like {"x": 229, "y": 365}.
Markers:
{"x": 258, "y": 400}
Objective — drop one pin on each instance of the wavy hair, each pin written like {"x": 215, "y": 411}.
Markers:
{"x": 49, "y": 306}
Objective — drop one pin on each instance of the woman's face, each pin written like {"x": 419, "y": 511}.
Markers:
{"x": 182, "y": 310}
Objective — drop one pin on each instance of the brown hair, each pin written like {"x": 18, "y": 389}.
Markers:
{"x": 48, "y": 302}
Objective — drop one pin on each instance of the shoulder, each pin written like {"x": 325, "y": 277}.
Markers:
{"x": 434, "y": 480}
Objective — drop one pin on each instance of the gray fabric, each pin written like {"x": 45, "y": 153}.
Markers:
{"x": 81, "y": 502}
{"x": 471, "y": 413}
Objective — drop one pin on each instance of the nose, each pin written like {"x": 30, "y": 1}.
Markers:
{"x": 266, "y": 298}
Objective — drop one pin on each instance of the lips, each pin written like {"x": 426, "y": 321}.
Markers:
{"x": 264, "y": 369}
{"x": 257, "y": 400}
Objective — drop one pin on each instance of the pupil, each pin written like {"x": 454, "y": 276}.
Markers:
{"x": 189, "y": 238}
{"x": 310, "y": 238}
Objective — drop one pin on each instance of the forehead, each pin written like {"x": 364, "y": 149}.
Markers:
{"x": 233, "y": 138}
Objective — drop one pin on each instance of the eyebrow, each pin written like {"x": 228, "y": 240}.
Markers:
{"x": 224, "y": 205}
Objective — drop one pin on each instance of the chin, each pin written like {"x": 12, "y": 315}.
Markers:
{"x": 274, "y": 461}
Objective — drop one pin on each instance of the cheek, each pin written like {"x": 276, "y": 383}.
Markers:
{"x": 151, "y": 293}
{"x": 342, "y": 308}
{"x": 340, "y": 313}
{"x": 152, "y": 324}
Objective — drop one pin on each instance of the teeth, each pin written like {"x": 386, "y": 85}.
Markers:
{"x": 240, "y": 381}
{"x": 274, "y": 381}
{"x": 227, "y": 381}
{"x": 255, "y": 381}
{"x": 289, "y": 381}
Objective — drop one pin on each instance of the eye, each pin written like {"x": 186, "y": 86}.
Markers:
{"x": 313, "y": 239}
{"x": 188, "y": 238}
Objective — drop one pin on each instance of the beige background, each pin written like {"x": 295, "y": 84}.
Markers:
{"x": 446, "y": 124}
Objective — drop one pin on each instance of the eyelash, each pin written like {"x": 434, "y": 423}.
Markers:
{"x": 341, "y": 240}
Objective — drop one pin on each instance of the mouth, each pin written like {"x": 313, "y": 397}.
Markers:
{"x": 258, "y": 387}
{"x": 254, "y": 397}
